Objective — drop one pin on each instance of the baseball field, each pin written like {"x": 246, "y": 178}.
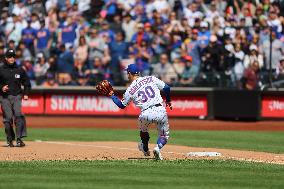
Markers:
{"x": 86, "y": 152}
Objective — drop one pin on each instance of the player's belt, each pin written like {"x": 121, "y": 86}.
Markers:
{"x": 156, "y": 105}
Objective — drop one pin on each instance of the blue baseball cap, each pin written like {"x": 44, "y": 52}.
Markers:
{"x": 132, "y": 68}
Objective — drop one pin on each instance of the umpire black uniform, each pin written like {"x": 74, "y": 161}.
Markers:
{"x": 12, "y": 78}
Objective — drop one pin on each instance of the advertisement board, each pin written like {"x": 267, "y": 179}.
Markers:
{"x": 34, "y": 105}
{"x": 272, "y": 106}
{"x": 99, "y": 105}
{"x": 80, "y": 105}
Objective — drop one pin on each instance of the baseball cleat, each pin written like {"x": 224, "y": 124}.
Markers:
{"x": 140, "y": 147}
{"x": 20, "y": 143}
{"x": 10, "y": 144}
{"x": 157, "y": 153}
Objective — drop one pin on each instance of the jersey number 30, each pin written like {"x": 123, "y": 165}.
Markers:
{"x": 145, "y": 95}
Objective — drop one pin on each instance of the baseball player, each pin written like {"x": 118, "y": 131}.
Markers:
{"x": 145, "y": 93}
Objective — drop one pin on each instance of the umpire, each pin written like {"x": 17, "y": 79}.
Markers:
{"x": 12, "y": 78}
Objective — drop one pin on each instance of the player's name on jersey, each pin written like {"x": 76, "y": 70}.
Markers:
{"x": 140, "y": 84}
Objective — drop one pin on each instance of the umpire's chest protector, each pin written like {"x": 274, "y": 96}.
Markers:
{"x": 12, "y": 76}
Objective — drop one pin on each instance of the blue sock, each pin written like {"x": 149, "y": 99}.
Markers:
{"x": 162, "y": 141}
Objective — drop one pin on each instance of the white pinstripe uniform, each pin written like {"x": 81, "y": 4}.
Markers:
{"x": 145, "y": 93}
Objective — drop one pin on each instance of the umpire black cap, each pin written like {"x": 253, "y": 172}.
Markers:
{"x": 10, "y": 53}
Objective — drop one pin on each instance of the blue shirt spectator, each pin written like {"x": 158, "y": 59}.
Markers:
{"x": 118, "y": 49}
{"x": 42, "y": 36}
{"x": 28, "y": 35}
{"x": 105, "y": 31}
{"x": 67, "y": 32}
{"x": 204, "y": 35}
{"x": 65, "y": 62}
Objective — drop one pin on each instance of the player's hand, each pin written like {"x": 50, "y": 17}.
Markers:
{"x": 26, "y": 97}
{"x": 5, "y": 88}
{"x": 169, "y": 104}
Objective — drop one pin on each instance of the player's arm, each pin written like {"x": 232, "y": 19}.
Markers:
{"x": 167, "y": 90}
{"x": 117, "y": 101}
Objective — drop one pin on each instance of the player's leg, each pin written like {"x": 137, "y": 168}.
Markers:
{"x": 8, "y": 121}
{"x": 163, "y": 132}
{"x": 143, "y": 123}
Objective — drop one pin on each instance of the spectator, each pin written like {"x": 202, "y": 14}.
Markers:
{"x": 35, "y": 21}
{"x": 161, "y": 6}
{"x": 211, "y": 12}
{"x": 192, "y": 13}
{"x": 81, "y": 80}
{"x": 3, "y": 23}
{"x": 97, "y": 47}
{"x": 65, "y": 80}
{"x": 40, "y": 69}
{"x": 128, "y": 26}
{"x": 14, "y": 29}
{"x": 143, "y": 57}
{"x": 274, "y": 22}
{"x": 250, "y": 77}
{"x": 213, "y": 56}
{"x": 140, "y": 35}
{"x": 229, "y": 58}
{"x": 20, "y": 9}
{"x": 192, "y": 48}
{"x": 107, "y": 32}
{"x": 42, "y": 41}
{"x": 116, "y": 25}
{"x": 189, "y": 73}
{"x": 178, "y": 66}
{"x": 80, "y": 72}
{"x": 25, "y": 51}
{"x": 51, "y": 21}
{"x": 277, "y": 50}
{"x": 175, "y": 46}
{"x": 204, "y": 35}
{"x": 50, "y": 81}
{"x": 159, "y": 44}
{"x": 253, "y": 56}
{"x": 36, "y": 6}
{"x": 65, "y": 62}
{"x": 67, "y": 33}
{"x": 28, "y": 36}
{"x": 81, "y": 52}
{"x": 98, "y": 72}
{"x": 165, "y": 71}
{"x": 157, "y": 20}
{"x": 280, "y": 69}
{"x": 238, "y": 69}
{"x": 28, "y": 67}
{"x": 118, "y": 49}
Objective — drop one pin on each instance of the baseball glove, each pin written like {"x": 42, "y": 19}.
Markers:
{"x": 104, "y": 88}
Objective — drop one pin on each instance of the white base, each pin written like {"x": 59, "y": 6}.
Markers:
{"x": 201, "y": 154}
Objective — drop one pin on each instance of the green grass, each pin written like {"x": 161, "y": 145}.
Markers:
{"x": 249, "y": 140}
{"x": 200, "y": 174}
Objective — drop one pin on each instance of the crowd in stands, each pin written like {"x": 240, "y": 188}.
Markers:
{"x": 183, "y": 42}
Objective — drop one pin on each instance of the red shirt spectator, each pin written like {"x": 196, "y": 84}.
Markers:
{"x": 251, "y": 77}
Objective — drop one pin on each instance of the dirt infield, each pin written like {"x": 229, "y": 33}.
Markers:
{"x": 52, "y": 150}
{"x": 131, "y": 123}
